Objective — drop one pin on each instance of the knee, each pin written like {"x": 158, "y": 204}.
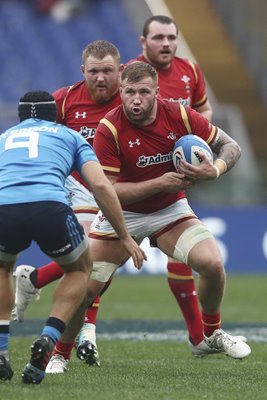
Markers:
{"x": 213, "y": 267}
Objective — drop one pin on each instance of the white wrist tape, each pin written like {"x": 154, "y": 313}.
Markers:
{"x": 217, "y": 171}
{"x": 221, "y": 167}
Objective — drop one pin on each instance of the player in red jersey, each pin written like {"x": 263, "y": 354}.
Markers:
{"x": 134, "y": 144}
{"x": 180, "y": 81}
{"x": 80, "y": 110}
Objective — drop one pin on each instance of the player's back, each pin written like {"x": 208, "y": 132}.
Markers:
{"x": 36, "y": 156}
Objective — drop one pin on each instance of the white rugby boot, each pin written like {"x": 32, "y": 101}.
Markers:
{"x": 203, "y": 350}
{"x": 87, "y": 343}
{"x": 25, "y": 291}
{"x": 233, "y": 346}
{"x": 57, "y": 365}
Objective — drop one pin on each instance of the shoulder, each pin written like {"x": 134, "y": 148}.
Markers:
{"x": 113, "y": 115}
{"x": 190, "y": 66}
{"x": 62, "y": 92}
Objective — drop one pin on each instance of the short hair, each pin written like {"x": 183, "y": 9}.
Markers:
{"x": 100, "y": 49}
{"x": 37, "y": 104}
{"x": 163, "y": 19}
{"x": 138, "y": 70}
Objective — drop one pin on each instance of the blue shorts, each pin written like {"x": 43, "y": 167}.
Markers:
{"x": 52, "y": 225}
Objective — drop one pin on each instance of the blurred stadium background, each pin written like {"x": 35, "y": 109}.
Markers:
{"x": 40, "y": 48}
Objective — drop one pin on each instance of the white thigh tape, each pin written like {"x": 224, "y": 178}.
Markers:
{"x": 188, "y": 239}
{"x": 102, "y": 271}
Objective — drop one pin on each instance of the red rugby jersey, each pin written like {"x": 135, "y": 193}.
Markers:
{"x": 183, "y": 82}
{"x": 77, "y": 110}
{"x": 135, "y": 154}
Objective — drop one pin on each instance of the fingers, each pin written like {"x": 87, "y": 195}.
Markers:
{"x": 138, "y": 258}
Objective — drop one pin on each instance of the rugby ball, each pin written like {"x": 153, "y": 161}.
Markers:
{"x": 187, "y": 147}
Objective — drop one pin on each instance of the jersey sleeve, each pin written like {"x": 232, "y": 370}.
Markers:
{"x": 200, "y": 125}
{"x": 107, "y": 148}
{"x": 60, "y": 96}
{"x": 199, "y": 96}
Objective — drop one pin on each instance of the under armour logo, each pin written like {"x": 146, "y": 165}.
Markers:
{"x": 78, "y": 115}
{"x": 184, "y": 295}
{"x": 137, "y": 142}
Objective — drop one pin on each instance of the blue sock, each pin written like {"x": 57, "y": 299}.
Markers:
{"x": 4, "y": 336}
{"x": 4, "y": 341}
{"x": 54, "y": 328}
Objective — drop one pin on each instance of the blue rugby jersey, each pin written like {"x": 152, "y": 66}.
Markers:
{"x": 36, "y": 156}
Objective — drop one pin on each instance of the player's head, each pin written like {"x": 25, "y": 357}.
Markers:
{"x": 139, "y": 89}
{"x": 37, "y": 104}
{"x": 159, "y": 40}
{"x": 101, "y": 69}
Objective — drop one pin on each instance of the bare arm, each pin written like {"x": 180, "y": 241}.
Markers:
{"x": 205, "y": 110}
{"x": 131, "y": 192}
{"x": 226, "y": 148}
{"x": 228, "y": 152}
{"x": 107, "y": 200}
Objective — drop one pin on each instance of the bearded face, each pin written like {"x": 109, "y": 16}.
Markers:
{"x": 102, "y": 77}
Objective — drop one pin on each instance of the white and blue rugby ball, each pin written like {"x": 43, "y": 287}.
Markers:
{"x": 187, "y": 147}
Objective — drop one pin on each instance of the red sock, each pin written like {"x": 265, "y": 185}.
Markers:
{"x": 91, "y": 313}
{"x": 211, "y": 322}
{"x": 64, "y": 349}
{"x": 182, "y": 285}
{"x": 47, "y": 274}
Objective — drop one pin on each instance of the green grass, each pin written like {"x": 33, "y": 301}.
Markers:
{"x": 149, "y": 297}
{"x": 152, "y": 370}
{"x": 146, "y": 370}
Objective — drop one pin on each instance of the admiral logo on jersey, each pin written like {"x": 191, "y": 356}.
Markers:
{"x": 184, "y": 102}
{"x": 145, "y": 161}
{"x": 87, "y": 133}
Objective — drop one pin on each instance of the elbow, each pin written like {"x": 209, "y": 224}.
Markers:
{"x": 238, "y": 151}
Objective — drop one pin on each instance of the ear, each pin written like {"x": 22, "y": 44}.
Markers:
{"x": 122, "y": 66}
{"x": 82, "y": 69}
{"x": 142, "y": 41}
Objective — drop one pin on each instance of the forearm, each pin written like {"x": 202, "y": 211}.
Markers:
{"x": 132, "y": 192}
{"x": 227, "y": 150}
{"x": 230, "y": 154}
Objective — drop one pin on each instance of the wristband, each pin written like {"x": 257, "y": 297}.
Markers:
{"x": 220, "y": 166}
{"x": 217, "y": 171}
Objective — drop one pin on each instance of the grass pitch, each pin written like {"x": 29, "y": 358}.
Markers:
{"x": 147, "y": 369}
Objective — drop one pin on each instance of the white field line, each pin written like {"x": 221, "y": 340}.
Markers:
{"x": 253, "y": 334}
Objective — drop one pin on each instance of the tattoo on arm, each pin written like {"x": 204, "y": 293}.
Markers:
{"x": 226, "y": 148}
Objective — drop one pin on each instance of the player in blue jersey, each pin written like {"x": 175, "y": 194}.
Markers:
{"x": 36, "y": 156}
